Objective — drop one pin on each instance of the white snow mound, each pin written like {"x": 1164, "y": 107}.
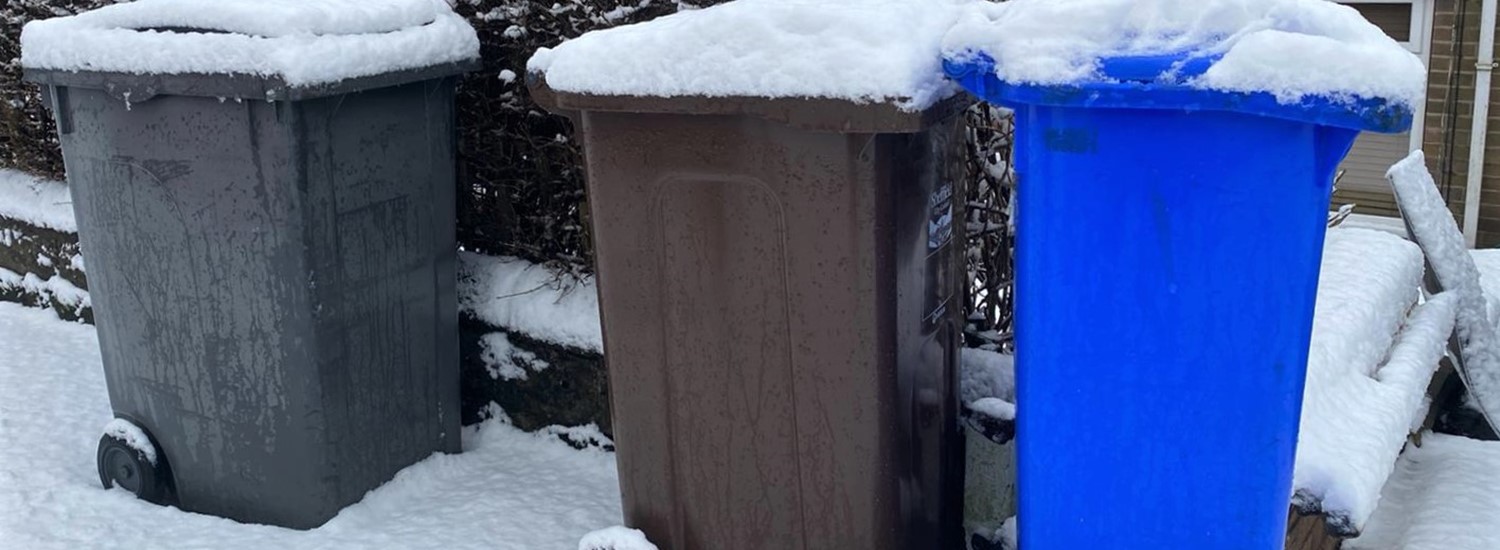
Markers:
{"x": 1289, "y": 48}
{"x": 858, "y": 50}
{"x": 304, "y": 42}
{"x": 985, "y": 374}
{"x": 616, "y": 538}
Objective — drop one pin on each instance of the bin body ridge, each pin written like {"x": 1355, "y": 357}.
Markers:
{"x": 1167, "y": 269}
{"x": 274, "y": 286}
{"x": 780, "y": 329}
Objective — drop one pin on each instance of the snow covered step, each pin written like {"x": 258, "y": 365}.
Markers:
{"x": 1444, "y": 495}
{"x": 1369, "y": 368}
{"x": 301, "y": 42}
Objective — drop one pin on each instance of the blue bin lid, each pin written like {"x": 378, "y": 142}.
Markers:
{"x": 1136, "y": 82}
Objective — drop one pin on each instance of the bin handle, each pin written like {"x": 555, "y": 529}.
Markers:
{"x": 131, "y": 94}
{"x": 64, "y": 116}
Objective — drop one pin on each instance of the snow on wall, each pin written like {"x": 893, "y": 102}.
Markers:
{"x": 1444, "y": 495}
{"x": 518, "y": 295}
{"x": 1432, "y": 225}
{"x": 1290, "y": 48}
{"x": 860, "y": 50}
{"x": 504, "y": 360}
{"x": 1366, "y": 384}
{"x": 54, "y": 288}
{"x": 37, "y": 201}
{"x": 304, "y": 42}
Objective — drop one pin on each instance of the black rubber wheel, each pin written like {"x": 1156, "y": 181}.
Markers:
{"x": 122, "y": 466}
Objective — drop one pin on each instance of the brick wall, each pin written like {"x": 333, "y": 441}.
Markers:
{"x": 1454, "y": 38}
{"x": 1450, "y": 107}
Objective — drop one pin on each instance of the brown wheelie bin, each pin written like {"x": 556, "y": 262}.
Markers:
{"x": 779, "y": 283}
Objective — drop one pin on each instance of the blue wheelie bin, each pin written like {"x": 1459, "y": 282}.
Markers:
{"x": 1168, "y": 246}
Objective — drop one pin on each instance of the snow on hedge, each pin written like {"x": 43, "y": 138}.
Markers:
{"x": 1368, "y": 369}
{"x": 36, "y": 201}
{"x": 504, "y": 361}
{"x": 1289, "y": 48}
{"x": 859, "y": 50}
{"x": 518, "y": 295}
{"x": 304, "y": 42}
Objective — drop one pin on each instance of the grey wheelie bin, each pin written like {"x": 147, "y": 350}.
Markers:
{"x": 271, "y": 263}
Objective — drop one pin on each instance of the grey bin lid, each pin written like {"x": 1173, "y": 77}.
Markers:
{"x": 142, "y": 87}
{"x": 249, "y": 49}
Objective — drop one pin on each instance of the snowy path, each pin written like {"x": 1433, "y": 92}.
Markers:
{"x": 509, "y": 490}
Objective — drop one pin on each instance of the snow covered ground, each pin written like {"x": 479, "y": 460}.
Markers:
{"x": 509, "y": 490}
{"x": 1444, "y": 495}
{"x": 518, "y": 490}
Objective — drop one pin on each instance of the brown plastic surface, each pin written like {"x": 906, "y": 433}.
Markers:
{"x": 780, "y": 330}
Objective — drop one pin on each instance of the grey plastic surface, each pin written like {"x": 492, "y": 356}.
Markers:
{"x": 143, "y": 87}
{"x": 273, "y": 284}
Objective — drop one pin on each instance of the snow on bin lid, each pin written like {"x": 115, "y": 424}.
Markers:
{"x": 857, "y": 50}
{"x": 304, "y": 42}
{"x": 1292, "y": 50}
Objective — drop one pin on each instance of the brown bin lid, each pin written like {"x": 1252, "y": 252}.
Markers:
{"x": 808, "y": 113}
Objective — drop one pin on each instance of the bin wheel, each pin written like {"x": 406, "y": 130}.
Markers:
{"x": 121, "y": 465}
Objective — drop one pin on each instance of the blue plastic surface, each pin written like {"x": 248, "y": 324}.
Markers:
{"x": 1169, "y": 243}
